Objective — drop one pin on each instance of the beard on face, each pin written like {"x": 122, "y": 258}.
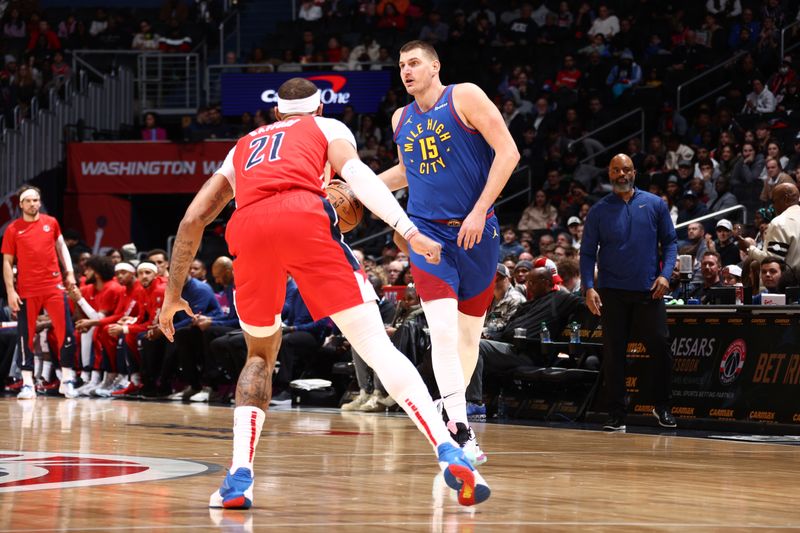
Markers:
{"x": 622, "y": 184}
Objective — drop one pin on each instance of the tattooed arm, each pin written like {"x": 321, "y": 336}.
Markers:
{"x": 212, "y": 197}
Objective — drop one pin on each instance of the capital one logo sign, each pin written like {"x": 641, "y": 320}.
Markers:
{"x": 25, "y": 471}
{"x": 328, "y": 95}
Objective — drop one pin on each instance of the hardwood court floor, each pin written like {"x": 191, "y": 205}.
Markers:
{"x": 363, "y": 472}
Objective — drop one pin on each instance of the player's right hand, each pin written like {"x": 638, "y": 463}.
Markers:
{"x": 14, "y": 302}
{"x": 426, "y": 247}
{"x": 593, "y": 302}
{"x": 168, "y": 311}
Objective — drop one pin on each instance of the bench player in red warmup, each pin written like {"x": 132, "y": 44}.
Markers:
{"x": 282, "y": 217}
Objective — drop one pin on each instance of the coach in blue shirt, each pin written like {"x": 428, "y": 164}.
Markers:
{"x": 637, "y": 250}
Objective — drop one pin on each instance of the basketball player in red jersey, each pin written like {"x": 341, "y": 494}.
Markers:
{"x": 36, "y": 243}
{"x": 281, "y": 217}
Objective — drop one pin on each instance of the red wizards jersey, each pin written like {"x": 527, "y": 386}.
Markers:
{"x": 34, "y": 246}
{"x": 287, "y": 155}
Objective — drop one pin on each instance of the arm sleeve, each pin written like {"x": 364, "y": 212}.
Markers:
{"x": 589, "y": 249}
{"x": 88, "y": 310}
{"x": 374, "y": 194}
{"x": 63, "y": 252}
{"x": 227, "y": 169}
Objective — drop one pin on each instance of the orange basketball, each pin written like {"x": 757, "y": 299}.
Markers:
{"x": 348, "y": 208}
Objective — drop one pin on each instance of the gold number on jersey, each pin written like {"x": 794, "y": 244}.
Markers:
{"x": 429, "y": 149}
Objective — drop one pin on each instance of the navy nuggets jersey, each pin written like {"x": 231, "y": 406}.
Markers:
{"x": 447, "y": 163}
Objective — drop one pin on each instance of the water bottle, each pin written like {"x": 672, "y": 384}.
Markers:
{"x": 575, "y": 333}
{"x": 493, "y": 324}
{"x": 501, "y": 405}
{"x": 545, "y": 334}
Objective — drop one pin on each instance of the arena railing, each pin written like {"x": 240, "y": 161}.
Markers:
{"x": 716, "y": 214}
{"x": 35, "y": 144}
{"x": 232, "y": 20}
{"x": 594, "y": 148}
{"x": 680, "y": 104}
{"x": 794, "y": 27}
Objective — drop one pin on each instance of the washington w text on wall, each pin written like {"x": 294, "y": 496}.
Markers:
{"x": 147, "y": 168}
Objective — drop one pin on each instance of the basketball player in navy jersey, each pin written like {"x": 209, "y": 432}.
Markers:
{"x": 456, "y": 155}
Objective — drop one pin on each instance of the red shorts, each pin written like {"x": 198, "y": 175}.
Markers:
{"x": 292, "y": 233}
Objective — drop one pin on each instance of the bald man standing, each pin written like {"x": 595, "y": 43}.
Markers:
{"x": 637, "y": 250}
{"x": 780, "y": 239}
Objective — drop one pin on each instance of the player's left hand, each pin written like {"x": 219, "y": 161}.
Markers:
{"x": 168, "y": 311}
{"x": 471, "y": 230}
{"x": 660, "y": 287}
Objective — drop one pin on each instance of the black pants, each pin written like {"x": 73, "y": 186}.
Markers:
{"x": 192, "y": 349}
{"x": 158, "y": 361}
{"x": 622, "y": 313}
{"x": 227, "y": 354}
{"x": 8, "y": 344}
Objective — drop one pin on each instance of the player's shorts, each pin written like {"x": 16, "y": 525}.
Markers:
{"x": 293, "y": 233}
{"x": 467, "y": 275}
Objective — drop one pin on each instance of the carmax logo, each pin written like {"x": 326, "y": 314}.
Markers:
{"x": 331, "y": 95}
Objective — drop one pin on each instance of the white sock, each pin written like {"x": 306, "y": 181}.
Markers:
{"x": 136, "y": 378}
{"x": 37, "y": 366}
{"x": 85, "y": 376}
{"x": 46, "y": 370}
{"x": 27, "y": 377}
{"x": 58, "y": 374}
{"x": 97, "y": 376}
{"x": 442, "y": 316}
{"x": 247, "y": 423}
{"x": 86, "y": 348}
{"x": 469, "y": 339}
{"x": 363, "y": 327}
{"x": 67, "y": 374}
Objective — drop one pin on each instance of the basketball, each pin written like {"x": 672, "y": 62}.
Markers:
{"x": 348, "y": 208}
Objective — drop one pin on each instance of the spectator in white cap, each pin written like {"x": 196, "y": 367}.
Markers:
{"x": 731, "y": 275}
{"x": 575, "y": 227}
{"x": 725, "y": 245}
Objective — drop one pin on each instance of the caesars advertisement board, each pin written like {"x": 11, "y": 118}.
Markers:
{"x": 727, "y": 367}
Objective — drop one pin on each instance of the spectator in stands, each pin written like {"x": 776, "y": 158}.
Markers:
{"x": 767, "y": 44}
{"x": 78, "y": 39}
{"x": 723, "y": 198}
{"x": 761, "y": 100}
{"x": 434, "y": 31}
{"x": 43, "y": 38}
{"x": 484, "y": 8}
{"x": 174, "y": 9}
{"x": 197, "y": 270}
{"x": 152, "y": 131}
{"x": 569, "y": 270}
{"x": 60, "y": 71}
{"x": 731, "y": 275}
{"x": 309, "y": 11}
{"x": 596, "y": 46}
{"x": 568, "y": 78}
{"x": 774, "y": 177}
{"x": 677, "y": 152}
{"x": 510, "y": 244}
{"x": 771, "y": 271}
{"x": 747, "y": 22}
{"x": 391, "y": 18}
{"x": 393, "y": 271}
{"x": 794, "y": 157}
{"x": 625, "y": 75}
{"x": 14, "y": 25}
{"x": 724, "y": 8}
{"x": 176, "y": 40}
{"x": 546, "y": 305}
{"x": 605, "y": 24}
{"x": 710, "y": 266}
{"x": 99, "y": 22}
{"x": 506, "y": 300}
{"x": 747, "y": 169}
{"x": 725, "y": 245}
{"x": 781, "y": 236}
{"x": 779, "y": 82}
{"x": 146, "y": 39}
{"x": 521, "y": 34}
{"x": 539, "y": 214}
{"x": 520, "y": 273}
{"x": 367, "y": 50}
{"x": 774, "y": 151}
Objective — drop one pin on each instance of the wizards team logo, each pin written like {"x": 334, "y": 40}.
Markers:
{"x": 24, "y": 471}
{"x": 732, "y": 362}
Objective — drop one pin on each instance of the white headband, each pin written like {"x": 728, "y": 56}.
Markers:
{"x": 127, "y": 267}
{"x": 147, "y": 265}
{"x": 27, "y": 193}
{"x": 309, "y": 104}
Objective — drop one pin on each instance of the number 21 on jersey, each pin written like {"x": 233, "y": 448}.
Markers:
{"x": 261, "y": 145}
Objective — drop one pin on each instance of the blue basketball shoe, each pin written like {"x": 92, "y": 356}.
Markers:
{"x": 460, "y": 475}
{"x": 236, "y": 491}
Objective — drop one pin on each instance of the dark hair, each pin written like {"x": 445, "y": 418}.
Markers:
{"x": 156, "y": 251}
{"x": 568, "y": 268}
{"x": 29, "y": 188}
{"x": 296, "y": 88}
{"x": 102, "y": 266}
{"x": 715, "y": 254}
{"x": 781, "y": 263}
{"x": 422, "y": 45}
